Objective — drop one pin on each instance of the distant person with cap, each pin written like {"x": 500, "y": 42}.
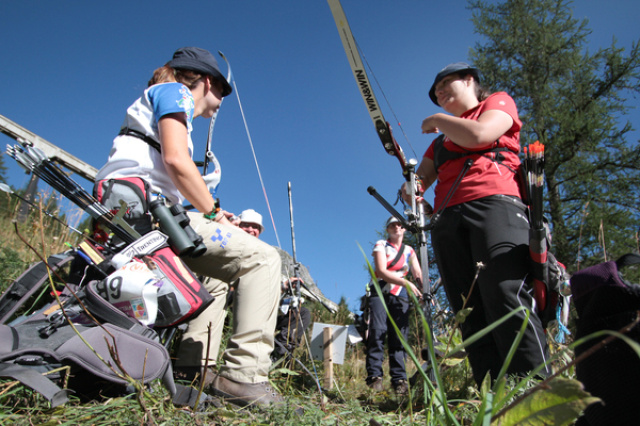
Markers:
{"x": 251, "y": 222}
{"x": 481, "y": 220}
{"x": 393, "y": 260}
{"x": 155, "y": 145}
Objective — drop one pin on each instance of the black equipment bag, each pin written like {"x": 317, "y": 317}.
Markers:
{"x": 605, "y": 301}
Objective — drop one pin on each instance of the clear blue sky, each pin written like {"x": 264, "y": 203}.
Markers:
{"x": 71, "y": 68}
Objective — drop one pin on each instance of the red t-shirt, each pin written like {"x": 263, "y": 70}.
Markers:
{"x": 485, "y": 177}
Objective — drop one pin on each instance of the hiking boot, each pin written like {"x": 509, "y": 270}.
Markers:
{"x": 401, "y": 388}
{"x": 185, "y": 374}
{"x": 194, "y": 375}
{"x": 244, "y": 394}
{"x": 375, "y": 383}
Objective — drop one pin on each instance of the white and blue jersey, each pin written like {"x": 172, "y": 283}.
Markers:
{"x": 131, "y": 156}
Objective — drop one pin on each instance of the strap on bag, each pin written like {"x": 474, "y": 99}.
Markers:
{"x": 627, "y": 260}
{"x": 136, "y": 134}
{"x": 36, "y": 381}
{"x": 397, "y": 258}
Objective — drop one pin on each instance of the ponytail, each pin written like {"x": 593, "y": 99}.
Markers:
{"x": 166, "y": 74}
{"x": 163, "y": 74}
{"x": 481, "y": 92}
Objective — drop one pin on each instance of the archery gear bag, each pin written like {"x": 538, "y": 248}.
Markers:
{"x": 99, "y": 340}
{"x": 604, "y": 300}
{"x": 95, "y": 343}
{"x": 152, "y": 284}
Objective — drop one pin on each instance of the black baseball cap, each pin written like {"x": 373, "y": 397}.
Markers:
{"x": 455, "y": 68}
{"x": 202, "y": 61}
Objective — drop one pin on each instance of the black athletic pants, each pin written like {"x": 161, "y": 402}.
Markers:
{"x": 380, "y": 329}
{"x": 289, "y": 331}
{"x": 495, "y": 231}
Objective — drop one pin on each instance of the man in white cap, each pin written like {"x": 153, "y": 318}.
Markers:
{"x": 251, "y": 222}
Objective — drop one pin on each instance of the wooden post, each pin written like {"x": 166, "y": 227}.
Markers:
{"x": 327, "y": 336}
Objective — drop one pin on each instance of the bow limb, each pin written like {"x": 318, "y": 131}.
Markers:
{"x": 357, "y": 66}
{"x": 393, "y": 148}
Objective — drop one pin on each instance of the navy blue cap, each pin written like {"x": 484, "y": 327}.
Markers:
{"x": 458, "y": 67}
{"x": 202, "y": 61}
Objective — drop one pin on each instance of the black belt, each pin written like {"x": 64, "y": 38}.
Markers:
{"x": 136, "y": 134}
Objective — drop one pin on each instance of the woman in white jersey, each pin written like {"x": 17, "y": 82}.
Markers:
{"x": 155, "y": 144}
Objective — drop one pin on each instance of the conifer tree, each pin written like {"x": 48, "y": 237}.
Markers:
{"x": 4, "y": 197}
{"x": 574, "y": 102}
{"x": 3, "y": 169}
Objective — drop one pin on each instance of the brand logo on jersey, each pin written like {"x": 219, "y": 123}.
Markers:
{"x": 224, "y": 239}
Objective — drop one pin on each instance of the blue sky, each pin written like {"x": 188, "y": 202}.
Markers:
{"x": 71, "y": 68}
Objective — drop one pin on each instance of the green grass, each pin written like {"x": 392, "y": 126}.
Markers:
{"x": 452, "y": 399}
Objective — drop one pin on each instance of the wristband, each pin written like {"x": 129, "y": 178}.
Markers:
{"x": 216, "y": 209}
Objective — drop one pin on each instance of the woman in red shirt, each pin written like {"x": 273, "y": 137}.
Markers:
{"x": 481, "y": 218}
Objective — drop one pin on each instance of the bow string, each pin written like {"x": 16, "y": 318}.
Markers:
{"x": 383, "y": 129}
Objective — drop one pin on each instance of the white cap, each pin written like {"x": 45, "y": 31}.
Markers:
{"x": 391, "y": 220}
{"x": 252, "y": 216}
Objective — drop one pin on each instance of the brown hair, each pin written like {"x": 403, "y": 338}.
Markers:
{"x": 481, "y": 92}
{"x": 166, "y": 74}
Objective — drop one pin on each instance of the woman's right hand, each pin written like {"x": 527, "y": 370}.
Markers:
{"x": 405, "y": 192}
{"x": 430, "y": 124}
{"x": 419, "y": 191}
{"x": 227, "y": 218}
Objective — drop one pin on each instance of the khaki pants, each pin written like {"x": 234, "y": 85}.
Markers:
{"x": 232, "y": 255}
{"x": 206, "y": 327}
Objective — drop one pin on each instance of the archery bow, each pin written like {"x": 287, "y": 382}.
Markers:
{"x": 390, "y": 145}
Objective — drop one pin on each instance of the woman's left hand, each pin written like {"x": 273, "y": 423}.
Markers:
{"x": 415, "y": 290}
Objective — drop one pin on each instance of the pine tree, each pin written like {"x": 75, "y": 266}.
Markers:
{"x": 3, "y": 169}
{"x": 573, "y": 101}
{"x": 5, "y": 199}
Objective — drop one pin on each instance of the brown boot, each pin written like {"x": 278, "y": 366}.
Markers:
{"x": 375, "y": 383}
{"x": 244, "y": 394}
{"x": 194, "y": 375}
{"x": 401, "y": 388}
